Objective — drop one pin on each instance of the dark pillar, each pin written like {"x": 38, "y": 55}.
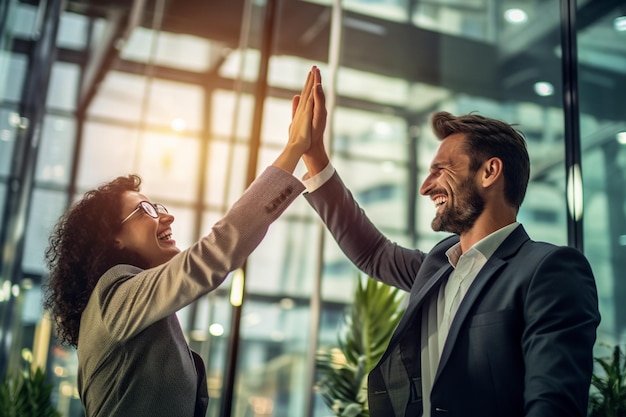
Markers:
{"x": 21, "y": 177}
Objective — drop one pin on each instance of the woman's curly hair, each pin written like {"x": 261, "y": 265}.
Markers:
{"x": 81, "y": 249}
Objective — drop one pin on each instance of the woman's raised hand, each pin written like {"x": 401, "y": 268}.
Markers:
{"x": 302, "y": 125}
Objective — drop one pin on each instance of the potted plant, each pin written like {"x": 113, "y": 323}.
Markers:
{"x": 26, "y": 394}
{"x": 607, "y": 397}
{"x": 362, "y": 337}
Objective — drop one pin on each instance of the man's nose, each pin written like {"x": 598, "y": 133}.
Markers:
{"x": 425, "y": 188}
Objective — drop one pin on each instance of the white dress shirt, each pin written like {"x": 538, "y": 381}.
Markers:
{"x": 438, "y": 313}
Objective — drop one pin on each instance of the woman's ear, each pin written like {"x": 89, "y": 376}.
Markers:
{"x": 491, "y": 171}
{"x": 118, "y": 243}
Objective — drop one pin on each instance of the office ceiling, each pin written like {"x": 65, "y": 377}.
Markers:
{"x": 507, "y": 68}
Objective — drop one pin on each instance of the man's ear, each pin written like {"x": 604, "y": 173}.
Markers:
{"x": 492, "y": 171}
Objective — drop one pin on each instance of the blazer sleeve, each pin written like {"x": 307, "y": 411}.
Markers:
{"x": 360, "y": 240}
{"x": 130, "y": 299}
{"x": 561, "y": 316}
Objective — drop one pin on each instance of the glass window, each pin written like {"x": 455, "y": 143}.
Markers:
{"x": 63, "y": 87}
{"x": 168, "y": 163}
{"x": 14, "y": 68}
{"x": 54, "y": 159}
{"x": 362, "y": 134}
{"x": 283, "y": 264}
{"x": 120, "y": 96}
{"x": 9, "y": 122}
{"x": 178, "y": 106}
{"x": 46, "y": 207}
{"x": 225, "y": 173}
{"x": 603, "y": 127}
{"x": 172, "y": 49}
{"x": 24, "y": 22}
{"x": 107, "y": 151}
{"x": 401, "y": 61}
{"x": 72, "y": 32}
{"x": 231, "y": 114}
{"x": 372, "y": 87}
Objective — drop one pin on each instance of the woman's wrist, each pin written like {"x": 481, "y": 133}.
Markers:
{"x": 289, "y": 157}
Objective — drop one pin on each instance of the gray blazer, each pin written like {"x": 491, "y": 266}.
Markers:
{"x": 133, "y": 359}
{"x": 520, "y": 344}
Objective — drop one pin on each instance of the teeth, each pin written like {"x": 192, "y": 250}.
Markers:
{"x": 439, "y": 201}
{"x": 165, "y": 236}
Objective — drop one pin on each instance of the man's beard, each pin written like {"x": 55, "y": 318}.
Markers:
{"x": 468, "y": 206}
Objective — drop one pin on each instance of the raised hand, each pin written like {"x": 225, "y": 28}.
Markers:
{"x": 302, "y": 110}
{"x": 315, "y": 157}
{"x": 301, "y": 128}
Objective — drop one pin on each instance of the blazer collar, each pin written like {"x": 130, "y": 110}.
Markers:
{"x": 507, "y": 249}
{"x": 407, "y": 322}
{"x": 498, "y": 260}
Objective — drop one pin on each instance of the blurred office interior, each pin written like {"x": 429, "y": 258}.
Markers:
{"x": 195, "y": 96}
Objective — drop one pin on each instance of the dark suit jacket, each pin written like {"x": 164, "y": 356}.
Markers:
{"x": 521, "y": 342}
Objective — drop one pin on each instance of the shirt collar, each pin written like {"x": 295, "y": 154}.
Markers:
{"x": 486, "y": 246}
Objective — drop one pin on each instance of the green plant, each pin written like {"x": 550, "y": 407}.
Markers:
{"x": 363, "y": 336}
{"x": 26, "y": 394}
{"x": 607, "y": 397}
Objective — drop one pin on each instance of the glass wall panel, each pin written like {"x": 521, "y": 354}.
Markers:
{"x": 54, "y": 162}
{"x": 24, "y": 20}
{"x": 107, "y": 151}
{"x": 46, "y": 208}
{"x": 281, "y": 266}
{"x": 72, "y": 31}
{"x": 462, "y": 67}
{"x": 16, "y": 70}
{"x": 120, "y": 96}
{"x": 63, "y": 87}
{"x": 177, "y": 106}
{"x": 184, "y": 123}
{"x": 602, "y": 88}
{"x": 9, "y": 122}
{"x": 225, "y": 173}
{"x": 170, "y": 49}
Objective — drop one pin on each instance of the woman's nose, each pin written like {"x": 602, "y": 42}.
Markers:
{"x": 166, "y": 217}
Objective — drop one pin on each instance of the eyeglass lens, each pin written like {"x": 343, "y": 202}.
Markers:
{"x": 153, "y": 210}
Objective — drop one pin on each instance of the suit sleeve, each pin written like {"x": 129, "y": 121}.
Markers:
{"x": 131, "y": 299}
{"x": 561, "y": 316}
{"x": 360, "y": 240}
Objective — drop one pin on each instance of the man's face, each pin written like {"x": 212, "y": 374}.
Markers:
{"x": 452, "y": 187}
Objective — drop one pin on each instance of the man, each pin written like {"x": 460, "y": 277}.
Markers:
{"x": 497, "y": 324}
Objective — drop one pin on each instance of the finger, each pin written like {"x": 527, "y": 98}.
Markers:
{"x": 308, "y": 86}
{"x": 294, "y": 105}
{"x": 304, "y": 94}
{"x": 319, "y": 110}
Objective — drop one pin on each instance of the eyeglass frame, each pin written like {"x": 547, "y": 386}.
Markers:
{"x": 158, "y": 209}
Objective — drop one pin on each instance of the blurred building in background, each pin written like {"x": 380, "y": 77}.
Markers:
{"x": 195, "y": 96}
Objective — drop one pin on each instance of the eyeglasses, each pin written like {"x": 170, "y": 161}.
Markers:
{"x": 152, "y": 210}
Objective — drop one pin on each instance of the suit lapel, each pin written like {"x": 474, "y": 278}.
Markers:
{"x": 485, "y": 274}
{"x": 413, "y": 308}
{"x": 497, "y": 261}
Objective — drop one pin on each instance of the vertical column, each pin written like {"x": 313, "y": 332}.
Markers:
{"x": 20, "y": 183}
{"x": 335, "y": 50}
{"x": 255, "y": 143}
{"x": 573, "y": 168}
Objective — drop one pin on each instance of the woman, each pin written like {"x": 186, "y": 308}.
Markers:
{"x": 117, "y": 280}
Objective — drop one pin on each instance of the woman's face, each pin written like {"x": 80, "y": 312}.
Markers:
{"x": 150, "y": 238}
